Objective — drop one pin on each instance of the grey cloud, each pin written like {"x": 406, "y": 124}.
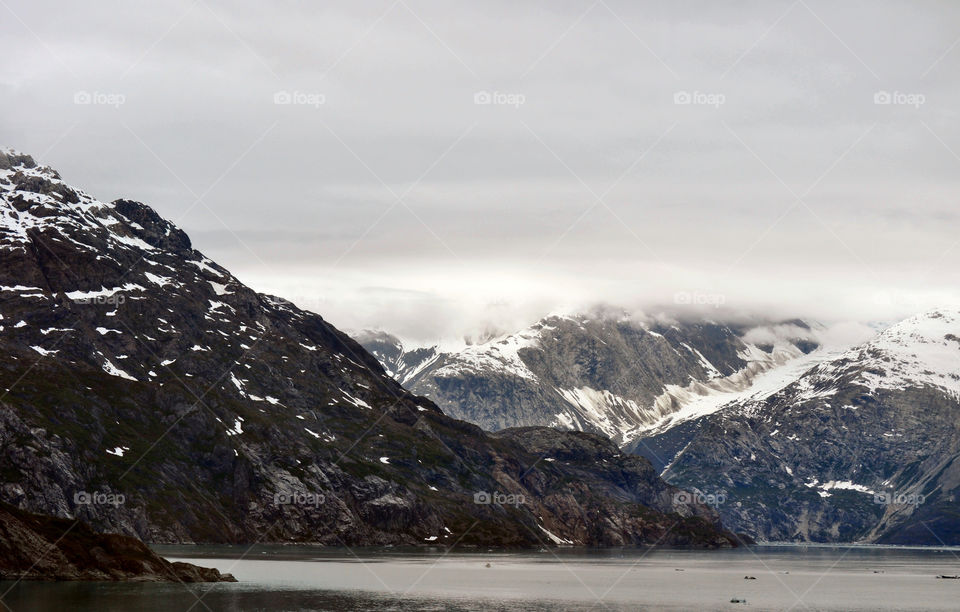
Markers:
{"x": 696, "y": 213}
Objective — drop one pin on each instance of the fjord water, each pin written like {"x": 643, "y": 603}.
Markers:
{"x": 300, "y": 578}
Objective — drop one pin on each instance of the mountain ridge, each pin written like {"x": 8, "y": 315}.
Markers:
{"x": 604, "y": 372}
{"x": 139, "y": 370}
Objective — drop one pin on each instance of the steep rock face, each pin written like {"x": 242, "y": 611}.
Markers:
{"x": 36, "y": 547}
{"x": 147, "y": 391}
{"x": 865, "y": 446}
{"x": 638, "y": 492}
{"x": 605, "y": 373}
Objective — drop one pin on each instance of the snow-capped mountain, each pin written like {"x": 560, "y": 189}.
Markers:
{"x": 396, "y": 359}
{"x": 864, "y": 446}
{"x": 606, "y": 372}
{"x": 146, "y": 390}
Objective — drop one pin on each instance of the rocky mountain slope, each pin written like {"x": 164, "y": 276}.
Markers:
{"x": 37, "y": 547}
{"x": 147, "y": 391}
{"x": 605, "y": 372}
{"x": 865, "y": 446}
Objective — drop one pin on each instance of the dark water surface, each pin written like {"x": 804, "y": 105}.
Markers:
{"x": 303, "y": 578}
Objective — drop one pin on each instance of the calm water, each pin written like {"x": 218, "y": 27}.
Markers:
{"x": 288, "y": 578}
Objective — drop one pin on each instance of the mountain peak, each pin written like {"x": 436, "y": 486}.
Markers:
{"x": 10, "y": 158}
{"x": 37, "y": 205}
{"x": 26, "y": 170}
{"x": 923, "y": 349}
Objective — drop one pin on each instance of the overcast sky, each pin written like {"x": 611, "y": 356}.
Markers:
{"x": 640, "y": 154}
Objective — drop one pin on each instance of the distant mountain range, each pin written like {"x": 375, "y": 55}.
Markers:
{"x": 790, "y": 440}
{"x": 606, "y": 372}
{"x": 147, "y": 391}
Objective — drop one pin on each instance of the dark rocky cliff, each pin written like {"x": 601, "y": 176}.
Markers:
{"x": 37, "y": 547}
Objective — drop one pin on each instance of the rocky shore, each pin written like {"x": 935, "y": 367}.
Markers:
{"x": 38, "y": 547}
